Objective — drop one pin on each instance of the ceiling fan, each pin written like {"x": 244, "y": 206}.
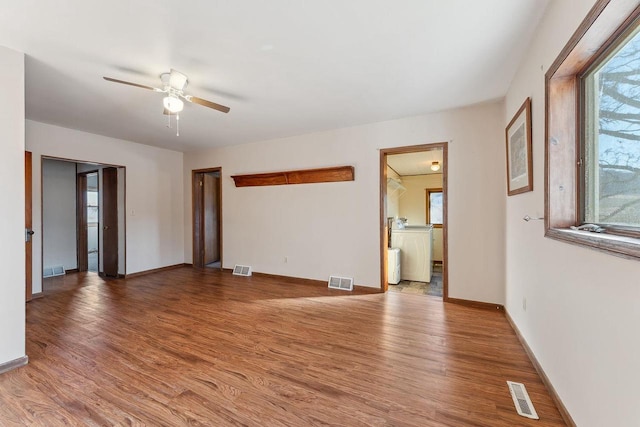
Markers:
{"x": 173, "y": 85}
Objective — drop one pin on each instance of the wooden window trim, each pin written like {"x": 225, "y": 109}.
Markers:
{"x": 606, "y": 21}
{"x": 429, "y": 191}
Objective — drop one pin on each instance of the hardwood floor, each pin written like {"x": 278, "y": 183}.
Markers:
{"x": 189, "y": 347}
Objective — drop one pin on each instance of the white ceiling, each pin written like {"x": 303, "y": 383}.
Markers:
{"x": 285, "y": 67}
{"x": 410, "y": 164}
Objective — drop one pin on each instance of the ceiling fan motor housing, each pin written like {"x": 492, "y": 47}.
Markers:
{"x": 174, "y": 80}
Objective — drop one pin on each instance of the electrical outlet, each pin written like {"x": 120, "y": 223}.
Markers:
{"x": 524, "y": 304}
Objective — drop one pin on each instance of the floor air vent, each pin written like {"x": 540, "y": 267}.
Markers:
{"x": 242, "y": 270}
{"x": 57, "y": 270}
{"x": 520, "y": 397}
{"x": 343, "y": 283}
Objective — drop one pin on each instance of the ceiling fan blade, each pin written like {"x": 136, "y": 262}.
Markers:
{"x": 132, "y": 84}
{"x": 206, "y": 103}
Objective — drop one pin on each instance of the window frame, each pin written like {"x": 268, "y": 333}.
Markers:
{"x": 606, "y": 23}
{"x": 604, "y": 54}
{"x": 429, "y": 192}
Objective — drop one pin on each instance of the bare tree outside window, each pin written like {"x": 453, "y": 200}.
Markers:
{"x": 612, "y": 147}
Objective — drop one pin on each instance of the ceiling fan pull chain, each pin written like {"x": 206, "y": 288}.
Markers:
{"x": 177, "y": 124}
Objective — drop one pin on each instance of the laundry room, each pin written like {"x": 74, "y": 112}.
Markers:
{"x": 415, "y": 222}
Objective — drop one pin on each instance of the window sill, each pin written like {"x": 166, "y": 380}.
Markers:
{"x": 622, "y": 246}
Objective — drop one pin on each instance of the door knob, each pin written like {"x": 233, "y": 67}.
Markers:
{"x": 106, "y": 227}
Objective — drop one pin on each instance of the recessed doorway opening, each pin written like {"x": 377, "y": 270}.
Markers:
{"x": 413, "y": 218}
{"x": 83, "y": 218}
{"x": 93, "y": 210}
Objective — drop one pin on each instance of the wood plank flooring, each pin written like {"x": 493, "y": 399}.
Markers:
{"x": 205, "y": 348}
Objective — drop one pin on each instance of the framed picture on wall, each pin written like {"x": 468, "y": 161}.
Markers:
{"x": 519, "y": 158}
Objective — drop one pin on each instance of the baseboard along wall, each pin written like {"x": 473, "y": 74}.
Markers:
{"x": 13, "y": 364}
{"x": 566, "y": 416}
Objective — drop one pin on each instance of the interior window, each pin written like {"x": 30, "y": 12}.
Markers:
{"x": 611, "y": 143}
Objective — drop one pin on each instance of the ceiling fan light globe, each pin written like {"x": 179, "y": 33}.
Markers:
{"x": 435, "y": 166}
{"x": 173, "y": 104}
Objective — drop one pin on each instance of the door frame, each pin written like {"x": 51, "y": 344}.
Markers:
{"x": 384, "y": 240}
{"x": 197, "y": 218}
{"x": 28, "y": 224}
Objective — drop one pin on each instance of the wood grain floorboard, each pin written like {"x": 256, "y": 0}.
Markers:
{"x": 205, "y": 348}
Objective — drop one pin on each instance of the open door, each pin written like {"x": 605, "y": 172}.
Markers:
{"x": 207, "y": 221}
{"x": 28, "y": 224}
{"x": 110, "y": 221}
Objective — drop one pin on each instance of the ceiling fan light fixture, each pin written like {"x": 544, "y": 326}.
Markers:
{"x": 173, "y": 104}
{"x": 435, "y": 166}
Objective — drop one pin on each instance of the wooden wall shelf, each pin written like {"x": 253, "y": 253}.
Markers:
{"x": 307, "y": 176}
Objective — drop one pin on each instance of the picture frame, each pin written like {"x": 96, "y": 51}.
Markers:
{"x": 519, "y": 152}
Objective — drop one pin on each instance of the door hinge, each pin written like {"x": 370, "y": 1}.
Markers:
{"x": 201, "y": 183}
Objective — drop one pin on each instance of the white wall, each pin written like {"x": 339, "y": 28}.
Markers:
{"x": 334, "y": 228}
{"x": 12, "y": 258}
{"x": 582, "y": 311}
{"x": 154, "y": 192}
{"x": 59, "y": 206}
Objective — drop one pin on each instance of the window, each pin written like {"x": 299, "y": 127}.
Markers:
{"x": 611, "y": 137}
{"x": 434, "y": 207}
{"x": 592, "y": 140}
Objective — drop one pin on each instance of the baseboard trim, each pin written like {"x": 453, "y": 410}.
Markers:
{"x": 291, "y": 280}
{"x": 475, "y": 304}
{"x": 71, "y": 270}
{"x": 13, "y": 364}
{"x": 37, "y": 295}
{"x": 154, "y": 270}
{"x": 566, "y": 416}
{"x": 313, "y": 282}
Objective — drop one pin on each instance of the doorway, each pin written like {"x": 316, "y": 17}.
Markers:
{"x": 416, "y": 217}
{"x": 83, "y": 219}
{"x": 88, "y": 214}
{"x": 207, "y": 218}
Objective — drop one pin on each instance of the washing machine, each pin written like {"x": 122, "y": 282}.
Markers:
{"x": 393, "y": 266}
{"x": 415, "y": 244}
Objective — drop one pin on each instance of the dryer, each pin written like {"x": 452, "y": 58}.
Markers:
{"x": 393, "y": 266}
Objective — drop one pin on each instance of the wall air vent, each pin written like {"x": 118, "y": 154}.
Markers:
{"x": 56, "y": 270}
{"x": 242, "y": 270}
{"x": 520, "y": 397}
{"x": 342, "y": 283}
